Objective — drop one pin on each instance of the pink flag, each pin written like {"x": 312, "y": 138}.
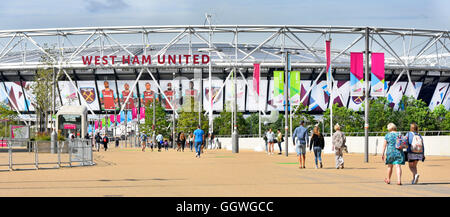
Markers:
{"x": 356, "y": 73}
{"x": 96, "y": 124}
{"x": 134, "y": 113}
{"x": 142, "y": 113}
{"x": 111, "y": 117}
{"x": 377, "y": 78}
{"x": 256, "y": 76}
{"x": 118, "y": 118}
{"x": 328, "y": 54}
{"x": 378, "y": 65}
{"x": 100, "y": 125}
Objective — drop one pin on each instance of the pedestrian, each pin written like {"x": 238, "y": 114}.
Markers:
{"x": 317, "y": 143}
{"x": 270, "y": 140}
{"x": 199, "y": 137}
{"x": 191, "y": 140}
{"x": 105, "y": 141}
{"x": 143, "y": 141}
{"x": 394, "y": 153}
{"x": 117, "y": 141}
{"x": 182, "y": 140}
{"x": 166, "y": 145}
{"x": 265, "y": 139}
{"x": 178, "y": 141}
{"x": 159, "y": 140}
{"x": 338, "y": 146}
{"x": 279, "y": 140}
{"x": 300, "y": 137}
{"x": 98, "y": 141}
{"x": 415, "y": 151}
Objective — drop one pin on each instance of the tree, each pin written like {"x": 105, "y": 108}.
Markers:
{"x": 8, "y": 117}
{"x": 188, "y": 118}
{"x": 161, "y": 118}
{"x": 380, "y": 114}
{"x": 222, "y": 124}
{"x": 42, "y": 89}
{"x": 349, "y": 120}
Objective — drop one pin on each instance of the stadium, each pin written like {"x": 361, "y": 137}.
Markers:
{"x": 415, "y": 62}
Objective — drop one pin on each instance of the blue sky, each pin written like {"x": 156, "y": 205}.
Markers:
{"x": 25, "y": 14}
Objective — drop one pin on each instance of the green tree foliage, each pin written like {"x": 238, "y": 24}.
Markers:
{"x": 8, "y": 117}
{"x": 302, "y": 115}
{"x": 222, "y": 124}
{"x": 380, "y": 114}
{"x": 349, "y": 120}
{"x": 162, "y": 121}
{"x": 188, "y": 118}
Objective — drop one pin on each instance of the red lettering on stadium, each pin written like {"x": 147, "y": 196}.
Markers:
{"x": 146, "y": 60}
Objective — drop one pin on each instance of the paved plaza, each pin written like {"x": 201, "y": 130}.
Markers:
{"x": 129, "y": 172}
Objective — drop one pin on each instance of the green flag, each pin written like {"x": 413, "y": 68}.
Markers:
{"x": 294, "y": 89}
{"x": 278, "y": 82}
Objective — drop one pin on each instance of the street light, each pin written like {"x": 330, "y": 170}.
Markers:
{"x": 287, "y": 65}
{"x": 209, "y": 50}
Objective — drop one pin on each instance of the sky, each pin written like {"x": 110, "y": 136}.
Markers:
{"x": 28, "y": 14}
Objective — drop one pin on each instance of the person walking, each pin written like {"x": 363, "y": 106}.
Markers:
{"x": 182, "y": 141}
{"x": 117, "y": 141}
{"x": 191, "y": 140}
{"x": 166, "y": 145}
{"x": 199, "y": 136}
{"x": 98, "y": 141}
{"x": 415, "y": 151}
{"x": 394, "y": 155}
{"x": 300, "y": 137}
{"x": 317, "y": 143}
{"x": 279, "y": 140}
{"x": 159, "y": 140}
{"x": 105, "y": 141}
{"x": 178, "y": 141}
{"x": 143, "y": 141}
{"x": 265, "y": 140}
{"x": 338, "y": 145}
{"x": 270, "y": 140}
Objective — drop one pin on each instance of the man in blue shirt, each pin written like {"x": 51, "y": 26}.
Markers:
{"x": 300, "y": 137}
{"x": 199, "y": 136}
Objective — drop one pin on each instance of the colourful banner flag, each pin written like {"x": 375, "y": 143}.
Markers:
{"x": 356, "y": 73}
{"x": 142, "y": 113}
{"x": 328, "y": 54}
{"x": 134, "y": 113}
{"x": 96, "y": 124}
{"x": 118, "y": 119}
{"x": 256, "y": 77}
{"x": 111, "y": 117}
{"x": 377, "y": 75}
{"x": 294, "y": 87}
{"x": 278, "y": 87}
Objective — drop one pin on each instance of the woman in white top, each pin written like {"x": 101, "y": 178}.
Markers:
{"x": 270, "y": 139}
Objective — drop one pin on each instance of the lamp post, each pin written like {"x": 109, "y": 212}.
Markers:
{"x": 209, "y": 50}
{"x": 287, "y": 66}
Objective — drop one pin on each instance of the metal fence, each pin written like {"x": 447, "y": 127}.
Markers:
{"x": 23, "y": 154}
{"x": 423, "y": 133}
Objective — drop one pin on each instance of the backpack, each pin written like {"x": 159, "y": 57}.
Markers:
{"x": 105, "y": 140}
{"x": 401, "y": 142}
{"x": 417, "y": 144}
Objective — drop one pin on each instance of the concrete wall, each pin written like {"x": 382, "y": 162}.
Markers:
{"x": 434, "y": 145}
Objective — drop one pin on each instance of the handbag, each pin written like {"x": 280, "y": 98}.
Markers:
{"x": 401, "y": 142}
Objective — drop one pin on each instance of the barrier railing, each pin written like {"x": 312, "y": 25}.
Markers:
{"x": 423, "y": 133}
{"x": 19, "y": 154}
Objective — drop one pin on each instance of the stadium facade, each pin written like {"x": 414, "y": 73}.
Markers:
{"x": 416, "y": 63}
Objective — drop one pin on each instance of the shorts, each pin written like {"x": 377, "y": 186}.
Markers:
{"x": 300, "y": 148}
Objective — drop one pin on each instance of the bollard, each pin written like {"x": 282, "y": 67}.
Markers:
{"x": 10, "y": 155}
{"x": 58, "y": 149}
{"x": 70, "y": 153}
{"x": 36, "y": 160}
{"x": 376, "y": 147}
